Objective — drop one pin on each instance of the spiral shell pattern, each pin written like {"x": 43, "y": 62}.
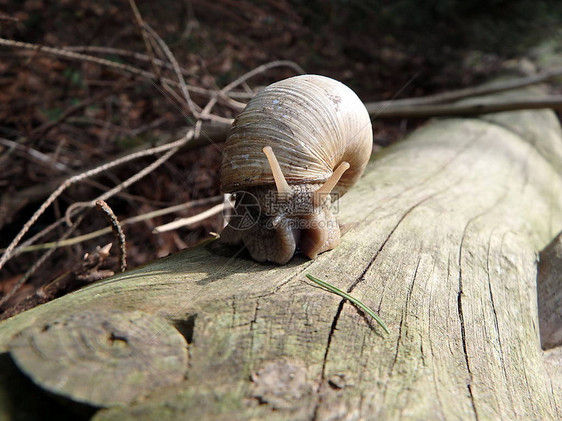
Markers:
{"x": 313, "y": 123}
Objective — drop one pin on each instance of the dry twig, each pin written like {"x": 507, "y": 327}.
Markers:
{"x": 34, "y": 154}
{"x": 242, "y": 79}
{"x": 122, "y": 186}
{"x": 173, "y": 147}
{"x": 71, "y": 55}
{"x": 460, "y": 109}
{"x": 140, "y": 25}
{"x": 28, "y": 245}
{"x": 38, "y": 263}
{"x": 191, "y": 220}
{"x": 117, "y": 232}
{"x": 488, "y": 89}
{"x": 85, "y": 271}
{"x": 176, "y": 67}
{"x": 125, "y": 53}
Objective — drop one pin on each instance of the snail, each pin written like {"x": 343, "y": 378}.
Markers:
{"x": 297, "y": 147}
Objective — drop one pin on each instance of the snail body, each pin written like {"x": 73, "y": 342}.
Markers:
{"x": 297, "y": 146}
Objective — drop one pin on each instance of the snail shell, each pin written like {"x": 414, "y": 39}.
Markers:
{"x": 316, "y": 132}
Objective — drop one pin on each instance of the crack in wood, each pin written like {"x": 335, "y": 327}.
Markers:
{"x": 402, "y": 319}
{"x": 325, "y": 360}
{"x": 422, "y": 353}
{"x": 496, "y": 322}
{"x": 252, "y": 324}
{"x": 349, "y": 290}
{"x": 460, "y": 295}
{"x": 462, "y": 325}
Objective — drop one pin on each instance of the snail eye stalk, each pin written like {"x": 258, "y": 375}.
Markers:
{"x": 330, "y": 183}
{"x": 282, "y": 185}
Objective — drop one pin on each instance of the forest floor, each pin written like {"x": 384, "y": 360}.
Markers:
{"x": 59, "y": 117}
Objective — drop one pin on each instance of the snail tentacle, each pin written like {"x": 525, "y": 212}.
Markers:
{"x": 330, "y": 183}
{"x": 280, "y": 181}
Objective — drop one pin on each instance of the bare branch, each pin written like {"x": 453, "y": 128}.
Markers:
{"x": 38, "y": 263}
{"x": 117, "y": 232}
{"x": 28, "y": 247}
{"x": 487, "y": 89}
{"x": 191, "y": 220}
{"x": 140, "y": 25}
{"x": 124, "y": 53}
{"x": 79, "y": 177}
{"x": 260, "y": 69}
{"x": 122, "y": 186}
{"x": 176, "y": 68}
{"x": 71, "y": 55}
{"x": 35, "y": 155}
{"x": 459, "y": 109}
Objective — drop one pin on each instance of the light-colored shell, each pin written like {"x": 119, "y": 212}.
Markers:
{"x": 312, "y": 122}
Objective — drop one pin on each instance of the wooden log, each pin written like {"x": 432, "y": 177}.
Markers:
{"x": 441, "y": 239}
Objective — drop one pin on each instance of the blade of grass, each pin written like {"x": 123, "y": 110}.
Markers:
{"x": 348, "y": 297}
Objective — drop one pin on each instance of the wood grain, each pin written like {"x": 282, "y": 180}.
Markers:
{"x": 441, "y": 239}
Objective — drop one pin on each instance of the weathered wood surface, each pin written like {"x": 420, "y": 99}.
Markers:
{"x": 442, "y": 238}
